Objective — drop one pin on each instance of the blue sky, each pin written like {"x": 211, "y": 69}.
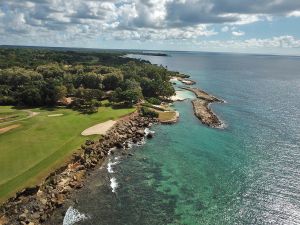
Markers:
{"x": 254, "y": 26}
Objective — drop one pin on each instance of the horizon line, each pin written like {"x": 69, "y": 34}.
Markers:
{"x": 152, "y": 50}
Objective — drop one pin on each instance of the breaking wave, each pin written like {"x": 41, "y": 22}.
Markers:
{"x": 73, "y": 216}
{"x": 113, "y": 184}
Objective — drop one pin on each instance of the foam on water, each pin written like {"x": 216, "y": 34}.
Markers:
{"x": 113, "y": 184}
{"x": 110, "y": 164}
{"x": 73, "y": 216}
{"x": 148, "y": 131}
{"x": 112, "y": 149}
{"x": 142, "y": 142}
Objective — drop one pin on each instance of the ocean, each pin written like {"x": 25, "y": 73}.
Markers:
{"x": 246, "y": 173}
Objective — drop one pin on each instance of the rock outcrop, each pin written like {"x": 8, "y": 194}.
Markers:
{"x": 201, "y": 107}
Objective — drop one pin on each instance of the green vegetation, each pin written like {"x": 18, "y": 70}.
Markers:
{"x": 145, "y": 111}
{"x": 39, "y": 77}
{"x": 154, "y": 101}
{"x": 41, "y": 143}
{"x": 89, "y": 86}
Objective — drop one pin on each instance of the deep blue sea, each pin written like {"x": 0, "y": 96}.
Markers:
{"x": 247, "y": 173}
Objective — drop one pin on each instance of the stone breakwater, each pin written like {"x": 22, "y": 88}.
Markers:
{"x": 186, "y": 81}
{"x": 201, "y": 107}
{"x": 35, "y": 205}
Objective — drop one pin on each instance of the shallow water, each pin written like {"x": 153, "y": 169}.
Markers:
{"x": 248, "y": 173}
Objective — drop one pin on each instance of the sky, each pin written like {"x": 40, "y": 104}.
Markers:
{"x": 248, "y": 26}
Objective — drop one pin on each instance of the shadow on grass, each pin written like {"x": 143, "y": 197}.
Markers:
{"x": 46, "y": 108}
{"x": 121, "y": 106}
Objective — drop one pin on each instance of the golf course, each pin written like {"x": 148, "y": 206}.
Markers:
{"x": 35, "y": 141}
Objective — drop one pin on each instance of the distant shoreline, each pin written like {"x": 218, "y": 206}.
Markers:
{"x": 150, "y": 54}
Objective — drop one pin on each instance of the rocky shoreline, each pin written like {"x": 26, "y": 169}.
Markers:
{"x": 201, "y": 107}
{"x": 35, "y": 205}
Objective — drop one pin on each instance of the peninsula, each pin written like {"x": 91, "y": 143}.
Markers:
{"x": 201, "y": 107}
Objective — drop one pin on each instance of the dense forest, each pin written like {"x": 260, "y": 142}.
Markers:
{"x": 45, "y": 77}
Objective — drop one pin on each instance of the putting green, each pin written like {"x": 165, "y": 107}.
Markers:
{"x": 41, "y": 143}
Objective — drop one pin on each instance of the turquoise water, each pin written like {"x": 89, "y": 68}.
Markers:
{"x": 247, "y": 173}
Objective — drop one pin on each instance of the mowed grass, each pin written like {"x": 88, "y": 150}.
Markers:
{"x": 42, "y": 143}
{"x": 8, "y": 114}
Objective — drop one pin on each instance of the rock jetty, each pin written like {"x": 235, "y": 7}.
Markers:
{"x": 36, "y": 204}
{"x": 201, "y": 107}
{"x": 184, "y": 80}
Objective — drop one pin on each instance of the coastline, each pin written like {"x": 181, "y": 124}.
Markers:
{"x": 34, "y": 205}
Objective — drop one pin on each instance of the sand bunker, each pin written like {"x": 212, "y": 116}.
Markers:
{"x": 5, "y": 129}
{"x": 100, "y": 128}
{"x": 54, "y": 115}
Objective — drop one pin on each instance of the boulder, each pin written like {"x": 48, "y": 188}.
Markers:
{"x": 23, "y": 217}
{"x": 119, "y": 145}
{"x": 4, "y": 220}
{"x": 150, "y": 135}
{"x": 60, "y": 199}
{"x": 43, "y": 201}
{"x": 80, "y": 175}
{"x": 89, "y": 142}
{"x": 140, "y": 132}
{"x": 88, "y": 150}
{"x": 35, "y": 216}
{"x": 94, "y": 160}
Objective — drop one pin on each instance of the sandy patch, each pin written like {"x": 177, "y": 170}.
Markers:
{"x": 100, "y": 128}
{"x": 5, "y": 129}
{"x": 54, "y": 115}
{"x": 168, "y": 117}
{"x": 173, "y": 79}
{"x": 180, "y": 95}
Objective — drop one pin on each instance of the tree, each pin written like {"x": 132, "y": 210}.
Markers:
{"x": 112, "y": 80}
{"x": 21, "y": 86}
{"x": 148, "y": 89}
{"x": 53, "y": 91}
{"x": 60, "y": 92}
{"x": 130, "y": 93}
{"x": 89, "y": 80}
{"x": 31, "y": 96}
{"x": 131, "y": 96}
{"x": 51, "y": 71}
{"x": 89, "y": 94}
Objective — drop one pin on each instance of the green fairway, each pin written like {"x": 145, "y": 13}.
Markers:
{"x": 8, "y": 114}
{"x": 40, "y": 143}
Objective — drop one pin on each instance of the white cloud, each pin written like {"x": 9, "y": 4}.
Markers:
{"x": 49, "y": 21}
{"x": 294, "y": 14}
{"x": 165, "y": 34}
{"x": 238, "y": 33}
{"x": 225, "y": 29}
